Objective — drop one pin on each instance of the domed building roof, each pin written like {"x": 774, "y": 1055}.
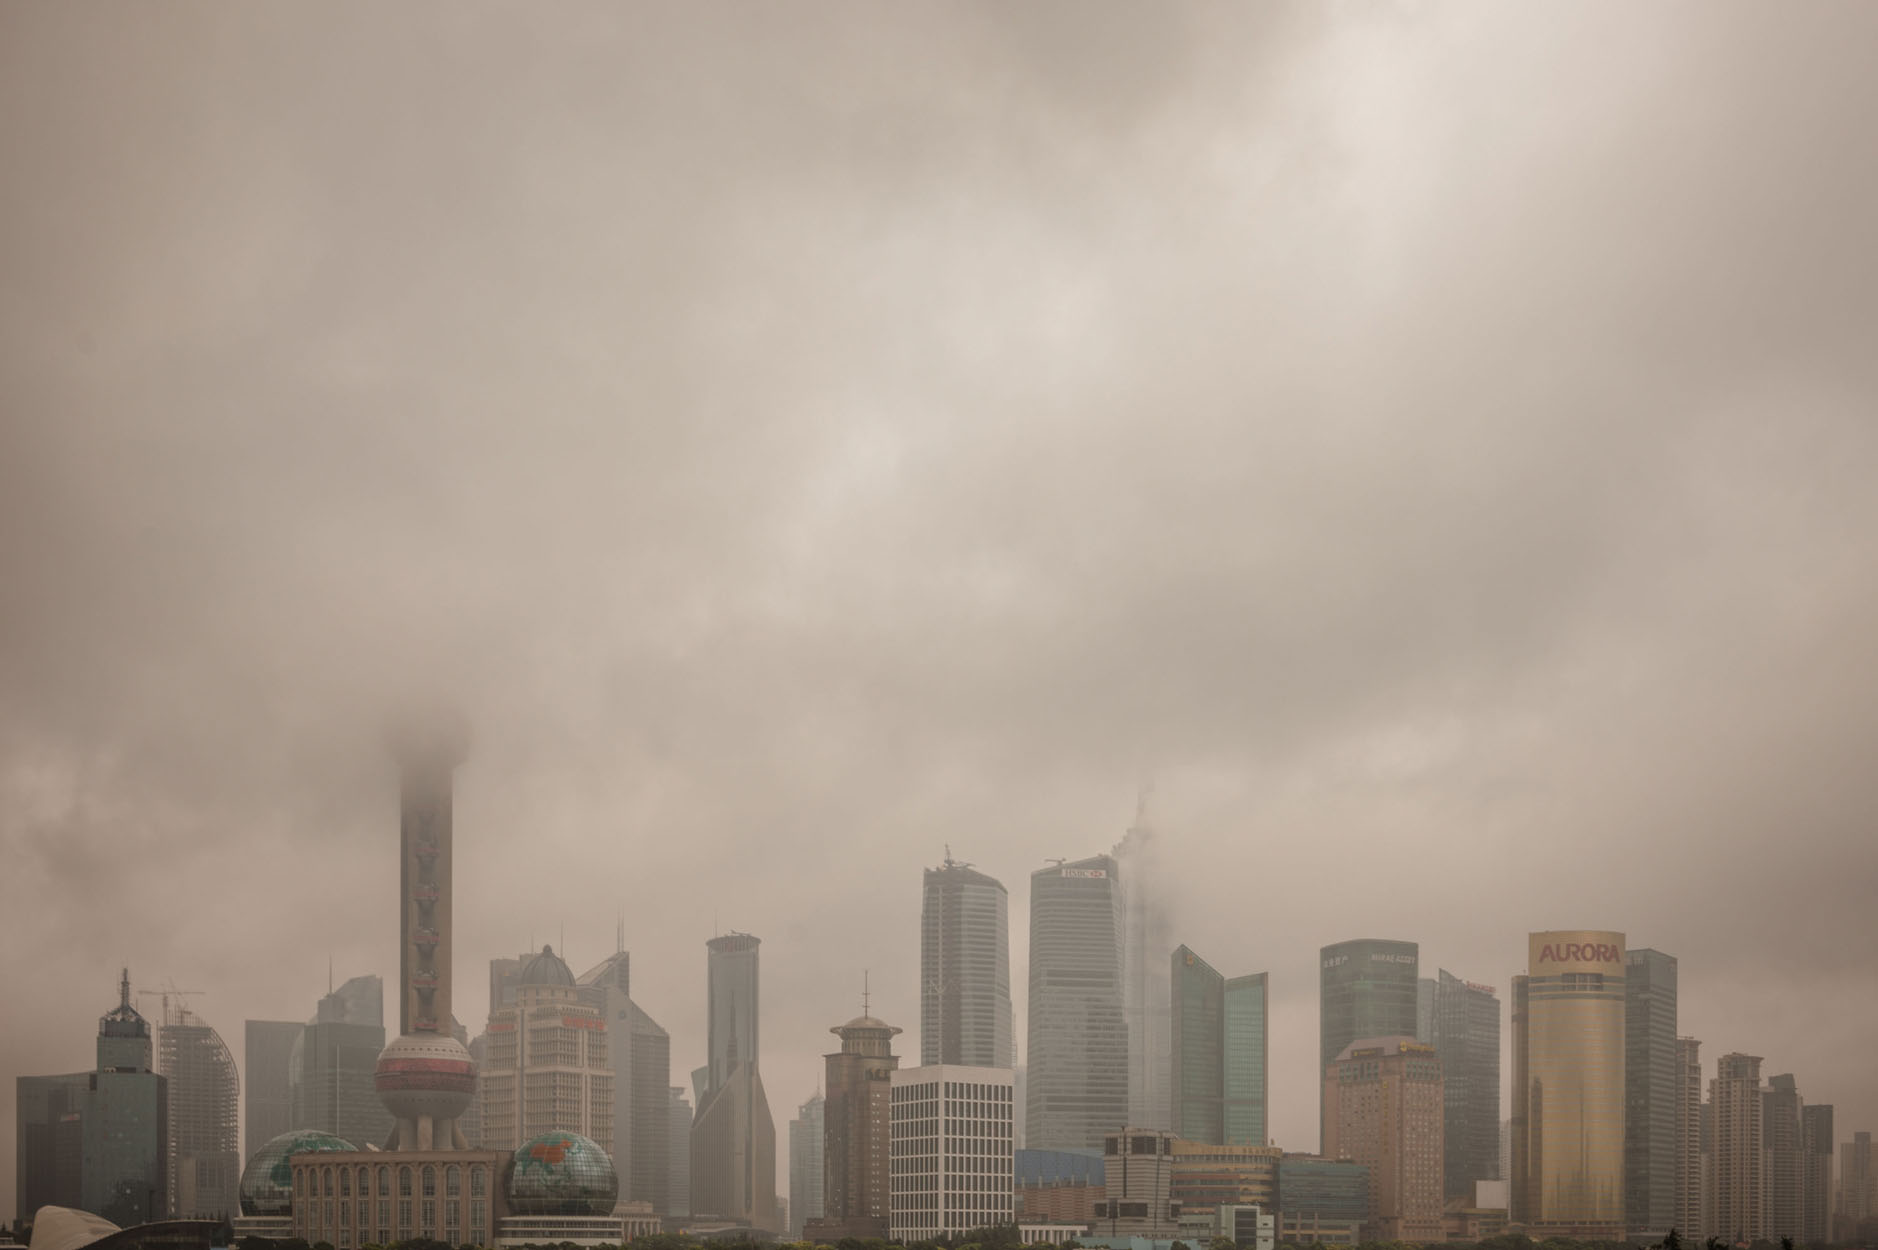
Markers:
{"x": 267, "y": 1181}
{"x": 547, "y": 968}
{"x": 562, "y": 1174}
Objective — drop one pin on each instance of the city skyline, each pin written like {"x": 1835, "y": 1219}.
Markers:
{"x": 801, "y": 441}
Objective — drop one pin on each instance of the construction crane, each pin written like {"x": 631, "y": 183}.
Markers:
{"x": 168, "y": 992}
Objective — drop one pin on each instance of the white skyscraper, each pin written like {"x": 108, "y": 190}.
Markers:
{"x": 951, "y": 1145}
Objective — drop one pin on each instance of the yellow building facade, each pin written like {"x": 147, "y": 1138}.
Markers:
{"x": 1568, "y": 1086}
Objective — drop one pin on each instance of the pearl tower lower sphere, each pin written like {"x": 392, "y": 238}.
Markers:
{"x": 425, "y": 1075}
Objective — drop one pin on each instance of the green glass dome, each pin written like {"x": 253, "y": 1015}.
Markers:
{"x": 562, "y": 1174}
{"x": 267, "y": 1181}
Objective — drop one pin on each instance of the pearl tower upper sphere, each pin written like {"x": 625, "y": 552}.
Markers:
{"x": 425, "y": 1074}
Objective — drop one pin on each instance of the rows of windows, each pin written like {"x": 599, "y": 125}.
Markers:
{"x": 319, "y": 1217}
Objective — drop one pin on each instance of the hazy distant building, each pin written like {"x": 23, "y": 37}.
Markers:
{"x": 1816, "y": 1141}
{"x": 1858, "y": 1184}
{"x": 1568, "y": 1087}
{"x": 1384, "y": 1108}
{"x": 805, "y": 1164}
{"x": 548, "y": 1065}
{"x": 1783, "y": 1158}
{"x": 641, "y": 1053}
{"x": 267, "y": 1056}
{"x": 1465, "y": 1032}
{"x": 1147, "y": 940}
{"x": 1076, "y": 1045}
{"x": 950, "y": 1143}
{"x": 98, "y": 1141}
{"x": 1220, "y": 1040}
{"x": 678, "y": 1154}
{"x": 1366, "y": 988}
{"x": 1740, "y": 1178}
{"x": 857, "y": 1132}
{"x": 332, "y": 1067}
{"x": 733, "y": 1138}
{"x": 1691, "y": 1188}
{"x": 965, "y": 969}
{"x": 204, "y": 1116}
{"x": 1650, "y": 1093}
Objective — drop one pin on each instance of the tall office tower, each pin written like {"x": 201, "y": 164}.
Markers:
{"x": 964, "y": 968}
{"x": 549, "y": 1066}
{"x": 1076, "y": 1059}
{"x": 1465, "y": 1028}
{"x": 1425, "y": 990}
{"x": 1219, "y": 1041}
{"x": 1816, "y": 1141}
{"x": 332, "y": 1066}
{"x": 857, "y": 1133}
{"x": 1783, "y": 1158}
{"x": 1858, "y": 1185}
{"x": 98, "y": 1141}
{"x": 642, "y": 1077}
{"x": 204, "y": 1115}
{"x": 268, "y": 1047}
{"x": 471, "y": 1121}
{"x": 1568, "y": 1086}
{"x": 1740, "y": 1184}
{"x": 1366, "y": 988}
{"x": 1689, "y": 1222}
{"x": 426, "y": 1077}
{"x": 1649, "y": 1093}
{"x": 950, "y": 1142}
{"x": 1147, "y": 940}
{"x": 678, "y": 1153}
{"x": 1384, "y": 1108}
{"x": 806, "y": 1172}
{"x": 733, "y": 1139}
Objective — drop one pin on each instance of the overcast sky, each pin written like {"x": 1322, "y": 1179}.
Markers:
{"x": 1436, "y": 444}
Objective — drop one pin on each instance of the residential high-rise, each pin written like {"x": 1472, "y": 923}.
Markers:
{"x": 1384, "y": 1108}
{"x": 1740, "y": 1178}
{"x": 678, "y": 1154}
{"x": 332, "y": 1066}
{"x": 1690, "y": 1222}
{"x": 1076, "y": 1046}
{"x": 549, "y": 1065}
{"x": 1649, "y": 1093}
{"x": 1783, "y": 1158}
{"x": 1366, "y": 988}
{"x": 857, "y": 1131}
{"x": 965, "y": 969}
{"x": 1568, "y": 1087}
{"x": 268, "y": 1111}
{"x": 1817, "y": 1142}
{"x": 950, "y": 1143}
{"x": 98, "y": 1141}
{"x": 733, "y": 1138}
{"x": 641, "y": 1054}
{"x": 805, "y": 1164}
{"x": 1465, "y": 1032}
{"x": 204, "y": 1116}
{"x": 1219, "y": 1041}
{"x": 1147, "y": 940}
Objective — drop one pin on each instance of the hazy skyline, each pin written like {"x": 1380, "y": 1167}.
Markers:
{"x": 1435, "y": 443}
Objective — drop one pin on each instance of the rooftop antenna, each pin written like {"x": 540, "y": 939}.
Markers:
{"x": 865, "y": 1005}
{"x": 619, "y": 938}
{"x": 329, "y": 972}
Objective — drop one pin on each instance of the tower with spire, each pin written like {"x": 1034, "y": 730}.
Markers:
{"x": 857, "y": 1128}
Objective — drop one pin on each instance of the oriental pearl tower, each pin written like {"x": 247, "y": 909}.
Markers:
{"x": 425, "y": 1078}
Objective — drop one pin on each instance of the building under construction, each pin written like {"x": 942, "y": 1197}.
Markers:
{"x": 204, "y": 1115}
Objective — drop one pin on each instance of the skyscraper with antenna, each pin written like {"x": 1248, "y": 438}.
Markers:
{"x": 857, "y": 1128}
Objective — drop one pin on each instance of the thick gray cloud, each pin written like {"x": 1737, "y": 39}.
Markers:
{"x": 1433, "y": 442}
